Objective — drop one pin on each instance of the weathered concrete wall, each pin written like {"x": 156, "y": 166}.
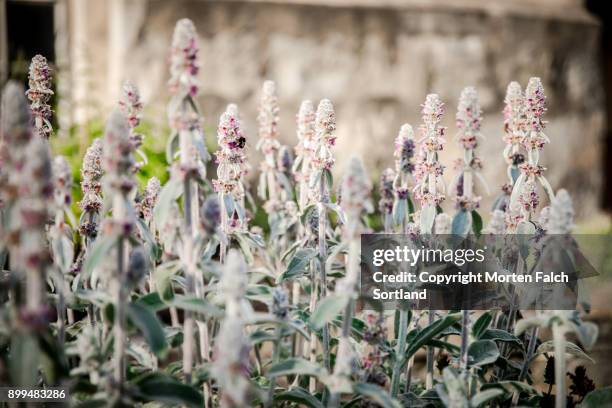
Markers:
{"x": 377, "y": 64}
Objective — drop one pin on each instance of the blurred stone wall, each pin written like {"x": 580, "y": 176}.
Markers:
{"x": 376, "y": 64}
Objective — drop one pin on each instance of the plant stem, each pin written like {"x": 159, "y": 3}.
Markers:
{"x": 430, "y": 355}
{"x": 275, "y": 359}
{"x": 323, "y": 259}
{"x": 119, "y": 323}
{"x": 465, "y": 337}
{"x": 559, "y": 347}
{"x": 400, "y": 349}
{"x": 312, "y": 346}
{"x": 188, "y": 323}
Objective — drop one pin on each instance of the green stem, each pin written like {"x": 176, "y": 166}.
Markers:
{"x": 559, "y": 347}
{"x": 119, "y": 323}
{"x": 323, "y": 259}
{"x": 400, "y": 350}
{"x": 275, "y": 359}
{"x": 465, "y": 339}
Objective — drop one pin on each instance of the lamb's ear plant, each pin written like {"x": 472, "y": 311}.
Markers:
{"x": 355, "y": 192}
{"x": 320, "y": 184}
{"x": 61, "y": 240}
{"x": 39, "y": 94}
{"x": 430, "y": 189}
{"x": 117, "y": 161}
{"x": 27, "y": 196}
{"x": 186, "y": 141}
{"x": 404, "y": 154}
{"x": 231, "y": 168}
{"x": 131, "y": 106}
{"x": 90, "y": 206}
{"x": 231, "y": 359}
{"x": 228, "y": 305}
{"x": 268, "y": 144}
{"x": 467, "y": 220}
{"x": 402, "y": 217}
{"x": 525, "y": 199}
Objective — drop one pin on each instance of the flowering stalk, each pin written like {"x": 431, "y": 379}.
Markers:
{"x": 302, "y": 170}
{"x": 26, "y": 192}
{"x": 387, "y": 195}
{"x": 304, "y": 151}
{"x": 429, "y": 190}
{"x": 268, "y": 144}
{"x": 560, "y": 222}
{"x": 468, "y": 122}
{"x": 39, "y": 94}
{"x": 355, "y": 192}
{"x": 231, "y": 168}
{"x": 131, "y": 106}
{"x": 91, "y": 204}
{"x": 186, "y": 123}
{"x": 117, "y": 161}
{"x": 323, "y": 160}
{"x": 404, "y": 167}
{"x": 145, "y": 208}
{"x": 524, "y": 192}
{"x": 61, "y": 234}
{"x": 401, "y": 211}
{"x": 514, "y": 134}
{"x": 280, "y": 310}
{"x": 231, "y": 363}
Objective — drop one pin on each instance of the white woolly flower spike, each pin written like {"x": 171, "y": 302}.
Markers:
{"x": 62, "y": 180}
{"x": 184, "y": 64}
{"x": 404, "y": 151}
{"x": 356, "y": 189}
{"x": 306, "y": 126}
{"x": 39, "y": 94}
{"x": 429, "y": 190}
{"x": 443, "y": 224}
{"x": 268, "y": 118}
{"x": 233, "y": 282}
{"x": 325, "y": 128}
{"x": 561, "y": 216}
{"x": 15, "y": 116}
{"x": 531, "y": 172}
{"x": 468, "y": 121}
{"x": 469, "y": 116}
{"x": 150, "y": 196}
{"x": 231, "y": 363}
{"x": 497, "y": 223}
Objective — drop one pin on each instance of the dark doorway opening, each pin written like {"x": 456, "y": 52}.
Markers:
{"x": 30, "y": 31}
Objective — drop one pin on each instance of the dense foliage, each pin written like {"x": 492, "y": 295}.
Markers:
{"x": 206, "y": 291}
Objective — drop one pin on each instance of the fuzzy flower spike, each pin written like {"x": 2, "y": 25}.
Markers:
{"x": 39, "y": 94}
{"x": 131, "y": 106}
{"x": 26, "y": 191}
{"x": 355, "y": 190}
{"x": 325, "y": 138}
{"x": 405, "y": 148}
{"x": 91, "y": 204}
{"x": 302, "y": 166}
{"x": 183, "y": 113}
{"x": 468, "y": 121}
{"x": 231, "y": 361}
{"x": 514, "y": 129}
{"x": 387, "y": 197}
{"x": 232, "y": 166}
{"x": 524, "y": 193}
{"x": 184, "y": 65}
{"x": 269, "y": 145}
{"x": 429, "y": 189}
